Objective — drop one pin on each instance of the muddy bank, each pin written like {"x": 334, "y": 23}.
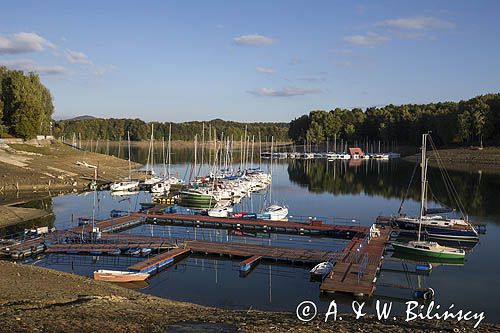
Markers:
{"x": 464, "y": 159}
{"x": 52, "y": 165}
{"x": 13, "y": 215}
{"x": 34, "y": 299}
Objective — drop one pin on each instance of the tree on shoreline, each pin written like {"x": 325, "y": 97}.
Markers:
{"x": 25, "y": 104}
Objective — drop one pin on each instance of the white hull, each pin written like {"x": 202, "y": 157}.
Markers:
{"x": 124, "y": 186}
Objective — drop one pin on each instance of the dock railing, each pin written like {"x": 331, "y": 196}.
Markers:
{"x": 362, "y": 268}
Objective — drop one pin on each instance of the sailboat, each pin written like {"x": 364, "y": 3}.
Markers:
{"x": 274, "y": 211}
{"x": 437, "y": 226}
{"x": 151, "y": 179}
{"x": 126, "y": 185}
{"x": 426, "y": 248}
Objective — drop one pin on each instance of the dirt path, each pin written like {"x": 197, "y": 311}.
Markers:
{"x": 34, "y": 299}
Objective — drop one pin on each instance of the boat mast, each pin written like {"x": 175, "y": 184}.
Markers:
{"x": 423, "y": 184}
{"x": 152, "y": 151}
{"x": 271, "y": 171}
{"x": 169, "y": 144}
{"x": 164, "y": 157}
{"x": 129, "y": 167}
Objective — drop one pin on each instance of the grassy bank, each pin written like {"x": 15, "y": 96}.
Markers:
{"x": 34, "y": 299}
{"x": 53, "y": 165}
{"x": 465, "y": 159}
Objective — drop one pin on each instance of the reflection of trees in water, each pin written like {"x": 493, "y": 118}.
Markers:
{"x": 389, "y": 179}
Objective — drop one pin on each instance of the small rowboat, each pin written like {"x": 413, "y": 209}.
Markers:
{"x": 119, "y": 276}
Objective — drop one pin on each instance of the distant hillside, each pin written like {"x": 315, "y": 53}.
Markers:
{"x": 86, "y": 117}
{"x": 116, "y": 129}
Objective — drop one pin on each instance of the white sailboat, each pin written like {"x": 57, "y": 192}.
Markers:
{"x": 151, "y": 179}
{"x": 426, "y": 248}
{"x": 126, "y": 185}
{"x": 275, "y": 212}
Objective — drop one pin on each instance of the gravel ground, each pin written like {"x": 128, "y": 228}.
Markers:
{"x": 34, "y": 299}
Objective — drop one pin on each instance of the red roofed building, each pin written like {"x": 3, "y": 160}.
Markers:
{"x": 356, "y": 151}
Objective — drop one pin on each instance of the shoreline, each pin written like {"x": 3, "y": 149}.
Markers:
{"x": 51, "y": 165}
{"x": 470, "y": 160}
{"x": 40, "y": 299}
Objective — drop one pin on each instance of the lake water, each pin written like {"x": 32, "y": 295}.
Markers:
{"x": 352, "y": 192}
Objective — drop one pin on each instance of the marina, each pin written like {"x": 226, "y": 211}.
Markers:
{"x": 156, "y": 235}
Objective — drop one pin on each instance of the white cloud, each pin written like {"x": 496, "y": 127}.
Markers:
{"x": 285, "y": 92}
{"x": 417, "y": 23}
{"x": 321, "y": 77}
{"x": 295, "y": 61}
{"x": 370, "y": 39}
{"x": 254, "y": 40}
{"x": 77, "y": 57}
{"x": 361, "y": 9}
{"x": 28, "y": 65}
{"x": 99, "y": 71}
{"x": 23, "y": 42}
{"x": 265, "y": 70}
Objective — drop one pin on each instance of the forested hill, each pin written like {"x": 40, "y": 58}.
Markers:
{"x": 464, "y": 122}
{"x": 116, "y": 129}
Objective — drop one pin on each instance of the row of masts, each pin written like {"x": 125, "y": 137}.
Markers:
{"x": 222, "y": 151}
{"x": 341, "y": 145}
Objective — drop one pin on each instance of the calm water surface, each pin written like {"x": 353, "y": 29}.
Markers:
{"x": 346, "y": 191}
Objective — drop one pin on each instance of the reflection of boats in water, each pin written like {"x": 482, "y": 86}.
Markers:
{"x": 123, "y": 193}
{"x": 119, "y": 276}
{"x": 134, "y": 285}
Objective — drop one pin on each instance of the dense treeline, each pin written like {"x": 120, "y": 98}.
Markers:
{"x": 461, "y": 122}
{"x": 116, "y": 129}
{"x": 25, "y": 104}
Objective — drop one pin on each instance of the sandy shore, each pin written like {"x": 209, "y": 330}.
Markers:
{"x": 53, "y": 165}
{"x": 34, "y": 299}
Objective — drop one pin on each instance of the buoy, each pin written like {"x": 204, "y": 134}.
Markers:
{"x": 426, "y": 267}
{"x": 425, "y": 294}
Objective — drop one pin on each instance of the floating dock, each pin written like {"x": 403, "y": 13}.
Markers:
{"x": 160, "y": 261}
{"x": 356, "y": 269}
{"x": 114, "y": 224}
{"x": 310, "y": 227}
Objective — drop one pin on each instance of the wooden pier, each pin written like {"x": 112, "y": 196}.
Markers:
{"x": 311, "y": 227}
{"x": 160, "y": 261}
{"x": 356, "y": 269}
{"x": 113, "y": 224}
{"x": 239, "y": 250}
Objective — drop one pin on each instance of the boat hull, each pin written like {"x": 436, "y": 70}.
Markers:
{"x": 110, "y": 277}
{"x": 441, "y": 232}
{"x": 421, "y": 252}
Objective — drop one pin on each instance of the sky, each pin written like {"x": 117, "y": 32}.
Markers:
{"x": 250, "y": 60}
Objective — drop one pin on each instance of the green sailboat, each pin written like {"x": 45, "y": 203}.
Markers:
{"x": 426, "y": 248}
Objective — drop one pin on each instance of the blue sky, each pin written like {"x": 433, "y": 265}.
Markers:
{"x": 251, "y": 60}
